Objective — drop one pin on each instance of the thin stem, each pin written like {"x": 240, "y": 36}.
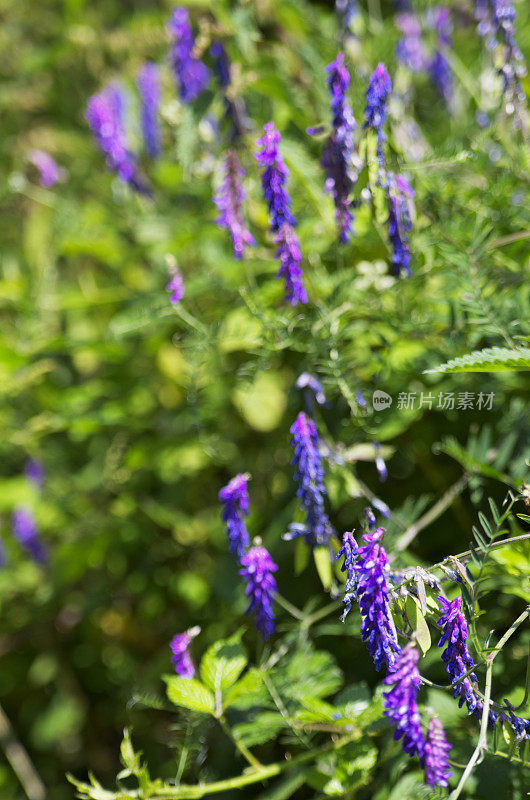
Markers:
{"x": 20, "y": 761}
{"x": 482, "y": 739}
{"x": 243, "y": 749}
{"x": 511, "y": 630}
{"x": 436, "y": 511}
{"x": 320, "y": 614}
{"x": 293, "y": 611}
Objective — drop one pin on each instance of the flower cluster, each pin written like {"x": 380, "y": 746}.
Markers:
{"x": 34, "y": 472}
{"x": 49, "y": 172}
{"x": 257, "y": 570}
{"x": 175, "y": 287}
{"x": 373, "y": 595}
{"x": 399, "y": 199}
{"x": 234, "y": 107}
{"x": 456, "y": 656}
{"x": 281, "y": 219}
{"x": 180, "y": 657}
{"x": 410, "y": 49}
{"x": 104, "y": 114}
{"x": 148, "y": 88}
{"x": 496, "y": 21}
{"x": 25, "y": 532}
{"x": 439, "y": 68}
{"x": 310, "y": 476}
{"x": 400, "y": 702}
{"x": 435, "y": 755}
{"x": 338, "y": 152}
{"x": 308, "y": 381}
{"x": 348, "y": 552}
{"x": 379, "y": 87}
{"x": 234, "y": 498}
{"x": 191, "y": 74}
{"x": 229, "y": 199}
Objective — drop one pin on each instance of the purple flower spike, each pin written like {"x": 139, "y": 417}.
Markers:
{"x": 25, "y": 532}
{"x": 456, "y": 656}
{"x": 435, "y": 755}
{"x": 400, "y": 702}
{"x": 373, "y": 595}
{"x": 180, "y": 656}
{"x": 410, "y": 49}
{"x": 380, "y": 463}
{"x": 234, "y": 497}
{"x": 191, "y": 74}
{"x": 104, "y": 114}
{"x": 281, "y": 220}
{"x": 338, "y": 151}
{"x": 49, "y": 172}
{"x": 289, "y": 255}
{"x": 305, "y": 380}
{"x": 257, "y": 569}
{"x": 348, "y": 552}
{"x": 229, "y": 199}
{"x": 175, "y": 287}
{"x": 439, "y": 68}
{"x": 310, "y": 476}
{"x": 147, "y": 82}
{"x": 400, "y": 204}
{"x": 379, "y": 87}
{"x": 34, "y": 472}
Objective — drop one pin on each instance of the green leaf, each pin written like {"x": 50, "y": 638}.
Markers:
{"x": 223, "y": 663}
{"x": 323, "y": 565}
{"x": 491, "y": 359}
{"x": 246, "y": 686}
{"x": 190, "y": 693}
{"x": 301, "y": 555}
{"x": 423, "y": 634}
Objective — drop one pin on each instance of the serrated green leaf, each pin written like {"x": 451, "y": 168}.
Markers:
{"x": 491, "y": 359}
{"x": 249, "y": 683}
{"x": 190, "y": 693}
{"x": 223, "y": 663}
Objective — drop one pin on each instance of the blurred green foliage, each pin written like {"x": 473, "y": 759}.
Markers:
{"x": 140, "y": 413}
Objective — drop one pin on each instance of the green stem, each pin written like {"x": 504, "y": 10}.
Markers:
{"x": 243, "y": 749}
{"x": 293, "y": 611}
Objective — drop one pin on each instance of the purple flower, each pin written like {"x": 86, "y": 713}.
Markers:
{"x": 338, "y": 151}
{"x": 310, "y": 476}
{"x": 435, "y": 755}
{"x": 410, "y": 49}
{"x": 400, "y": 199}
{"x": 180, "y": 657}
{"x": 104, "y": 114}
{"x": 305, "y": 380}
{"x": 34, "y": 471}
{"x": 191, "y": 74}
{"x": 359, "y": 399}
{"x": 496, "y": 20}
{"x": 379, "y": 87}
{"x": 289, "y": 255}
{"x": 49, "y": 172}
{"x": 439, "y": 68}
{"x": 274, "y": 178}
{"x": 379, "y": 463}
{"x": 373, "y": 595}
{"x": 147, "y": 83}
{"x": 229, "y": 199}
{"x": 175, "y": 287}
{"x": 234, "y": 107}
{"x": 346, "y": 11}
{"x": 234, "y": 497}
{"x": 520, "y": 725}
{"x": 25, "y": 532}
{"x": 257, "y": 569}
{"x": 281, "y": 220}
{"x": 348, "y": 552}
{"x": 370, "y": 518}
{"x": 456, "y": 656}
{"x": 400, "y": 702}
